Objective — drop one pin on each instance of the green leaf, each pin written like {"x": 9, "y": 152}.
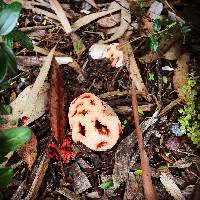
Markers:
{"x": 8, "y": 39}
{"x": 153, "y": 44}
{"x": 6, "y": 175}
{"x": 9, "y": 17}
{"x": 140, "y": 111}
{"x": 124, "y": 124}
{"x": 5, "y": 109}
{"x": 164, "y": 79}
{"x": 4, "y": 85}
{"x": 151, "y": 77}
{"x": 7, "y": 61}
{"x": 138, "y": 172}
{"x": 106, "y": 185}
{"x": 157, "y": 25}
{"x": 13, "y": 138}
{"x": 22, "y": 38}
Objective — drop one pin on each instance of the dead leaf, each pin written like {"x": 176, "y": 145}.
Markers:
{"x": 183, "y": 163}
{"x": 134, "y": 70}
{"x": 91, "y": 17}
{"x": 56, "y": 103}
{"x": 79, "y": 47}
{"x": 61, "y": 15}
{"x": 181, "y": 75}
{"x": 171, "y": 187}
{"x": 32, "y": 98}
{"x": 18, "y": 104}
{"x": 109, "y": 21}
{"x": 174, "y": 52}
{"x": 125, "y": 22}
{"x": 28, "y": 152}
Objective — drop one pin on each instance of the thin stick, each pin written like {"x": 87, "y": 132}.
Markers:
{"x": 149, "y": 191}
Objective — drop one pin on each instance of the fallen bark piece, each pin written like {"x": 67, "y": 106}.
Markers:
{"x": 171, "y": 187}
{"x": 122, "y": 159}
{"x": 133, "y": 188}
{"x": 93, "y": 122}
{"x": 181, "y": 75}
{"x": 81, "y": 182}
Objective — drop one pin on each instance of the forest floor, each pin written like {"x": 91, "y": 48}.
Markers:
{"x": 154, "y": 42}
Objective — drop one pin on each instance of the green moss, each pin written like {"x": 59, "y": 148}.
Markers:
{"x": 189, "y": 120}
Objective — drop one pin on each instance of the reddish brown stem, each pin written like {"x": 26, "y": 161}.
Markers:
{"x": 149, "y": 191}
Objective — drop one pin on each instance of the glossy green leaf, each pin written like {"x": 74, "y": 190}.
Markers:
{"x": 9, "y": 16}
{"x": 7, "y": 61}
{"x": 13, "y": 138}
{"x": 22, "y": 38}
{"x": 153, "y": 44}
{"x": 157, "y": 25}
{"x": 6, "y": 175}
{"x": 8, "y": 40}
{"x": 106, "y": 185}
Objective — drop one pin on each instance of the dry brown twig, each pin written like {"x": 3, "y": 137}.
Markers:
{"x": 149, "y": 191}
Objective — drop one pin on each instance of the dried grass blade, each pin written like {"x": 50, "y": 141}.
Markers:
{"x": 56, "y": 103}
{"x": 61, "y": 15}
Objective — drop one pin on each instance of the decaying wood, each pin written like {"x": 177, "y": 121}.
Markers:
{"x": 149, "y": 190}
{"x": 67, "y": 193}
